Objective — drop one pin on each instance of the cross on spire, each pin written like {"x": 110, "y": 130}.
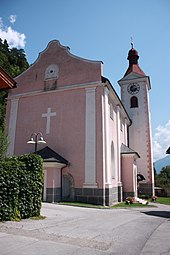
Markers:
{"x": 131, "y": 38}
{"x": 48, "y": 115}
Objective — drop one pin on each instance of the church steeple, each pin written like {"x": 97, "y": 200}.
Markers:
{"x": 135, "y": 86}
{"x": 133, "y": 62}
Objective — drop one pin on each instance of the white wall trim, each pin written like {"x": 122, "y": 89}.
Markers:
{"x": 54, "y": 164}
{"x": 59, "y": 89}
{"x": 118, "y": 144}
{"x": 90, "y": 138}
{"x": 12, "y": 126}
{"x": 45, "y": 186}
{"x": 107, "y": 143}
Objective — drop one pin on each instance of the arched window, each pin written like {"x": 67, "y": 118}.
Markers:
{"x": 111, "y": 111}
{"x": 133, "y": 102}
{"x": 112, "y": 161}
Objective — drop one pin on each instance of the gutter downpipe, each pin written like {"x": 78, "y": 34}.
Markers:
{"x": 62, "y": 180}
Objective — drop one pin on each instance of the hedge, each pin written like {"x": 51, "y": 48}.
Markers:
{"x": 21, "y": 185}
{"x": 9, "y": 190}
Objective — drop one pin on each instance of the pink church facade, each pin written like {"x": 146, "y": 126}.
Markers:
{"x": 84, "y": 123}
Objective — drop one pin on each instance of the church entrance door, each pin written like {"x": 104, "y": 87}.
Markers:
{"x": 68, "y": 188}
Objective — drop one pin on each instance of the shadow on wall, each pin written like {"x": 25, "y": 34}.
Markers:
{"x": 163, "y": 214}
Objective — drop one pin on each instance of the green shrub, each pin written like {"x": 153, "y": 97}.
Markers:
{"x": 144, "y": 196}
{"x": 31, "y": 186}
{"x": 21, "y": 185}
{"x": 9, "y": 190}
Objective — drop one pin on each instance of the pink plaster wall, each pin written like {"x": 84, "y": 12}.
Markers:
{"x": 67, "y": 132}
{"x": 99, "y": 136}
{"x": 127, "y": 173}
{"x": 113, "y": 137}
{"x": 72, "y": 70}
{"x": 67, "y": 127}
{"x": 53, "y": 177}
{"x": 8, "y": 108}
{"x": 113, "y": 133}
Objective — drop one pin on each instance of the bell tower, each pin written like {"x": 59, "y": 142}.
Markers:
{"x": 135, "y": 86}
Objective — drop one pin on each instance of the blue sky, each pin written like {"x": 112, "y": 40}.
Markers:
{"x": 101, "y": 30}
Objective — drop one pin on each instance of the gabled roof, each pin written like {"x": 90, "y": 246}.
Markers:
{"x": 6, "y": 81}
{"x": 134, "y": 69}
{"x": 51, "y": 156}
{"x": 126, "y": 150}
{"x": 104, "y": 80}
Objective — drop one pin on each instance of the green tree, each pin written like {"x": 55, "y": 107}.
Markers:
{"x": 3, "y": 136}
{"x": 3, "y": 144}
{"x": 163, "y": 179}
{"x": 14, "y": 62}
{"x": 155, "y": 174}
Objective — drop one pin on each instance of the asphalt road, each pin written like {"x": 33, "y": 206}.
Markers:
{"x": 80, "y": 231}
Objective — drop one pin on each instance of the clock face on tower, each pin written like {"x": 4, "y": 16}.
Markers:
{"x": 133, "y": 88}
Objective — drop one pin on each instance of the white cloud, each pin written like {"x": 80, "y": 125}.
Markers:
{"x": 12, "y": 18}
{"x": 14, "y": 38}
{"x": 1, "y": 22}
{"x": 161, "y": 141}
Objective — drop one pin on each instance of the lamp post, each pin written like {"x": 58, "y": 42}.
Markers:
{"x": 36, "y": 138}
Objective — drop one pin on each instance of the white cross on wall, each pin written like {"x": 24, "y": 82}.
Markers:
{"x": 48, "y": 115}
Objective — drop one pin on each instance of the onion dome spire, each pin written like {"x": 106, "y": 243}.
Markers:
{"x": 133, "y": 57}
{"x": 133, "y": 62}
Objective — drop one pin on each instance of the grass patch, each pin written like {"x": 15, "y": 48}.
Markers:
{"x": 119, "y": 205}
{"x": 79, "y": 204}
{"x": 124, "y": 205}
{"x": 40, "y": 217}
{"x": 163, "y": 200}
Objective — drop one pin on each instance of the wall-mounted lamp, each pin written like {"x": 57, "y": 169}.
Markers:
{"x": 36, "y": 138}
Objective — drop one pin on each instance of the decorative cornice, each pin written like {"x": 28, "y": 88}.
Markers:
{"x": 60, "y": 89}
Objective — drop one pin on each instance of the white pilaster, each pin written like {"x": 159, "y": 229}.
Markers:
{"x": 90, "y": 139}
{"x": 125, "y": 133}
{"x": 135, "y": 180}
{"x": 45, "y": 186}
{"x": 12, "y": 126}
{"x": 107, "y": 144}
{"x": 118, "y": 143}
{"x": 104, "y": 147}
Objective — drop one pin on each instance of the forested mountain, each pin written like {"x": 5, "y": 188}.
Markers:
{"x": 163, "y": 162}
{"x": 14, "y": 62}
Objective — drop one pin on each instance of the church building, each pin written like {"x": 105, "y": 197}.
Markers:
{"x": 95, "y": 146}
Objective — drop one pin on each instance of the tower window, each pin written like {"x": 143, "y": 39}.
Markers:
{"x": 134, "y": 102}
